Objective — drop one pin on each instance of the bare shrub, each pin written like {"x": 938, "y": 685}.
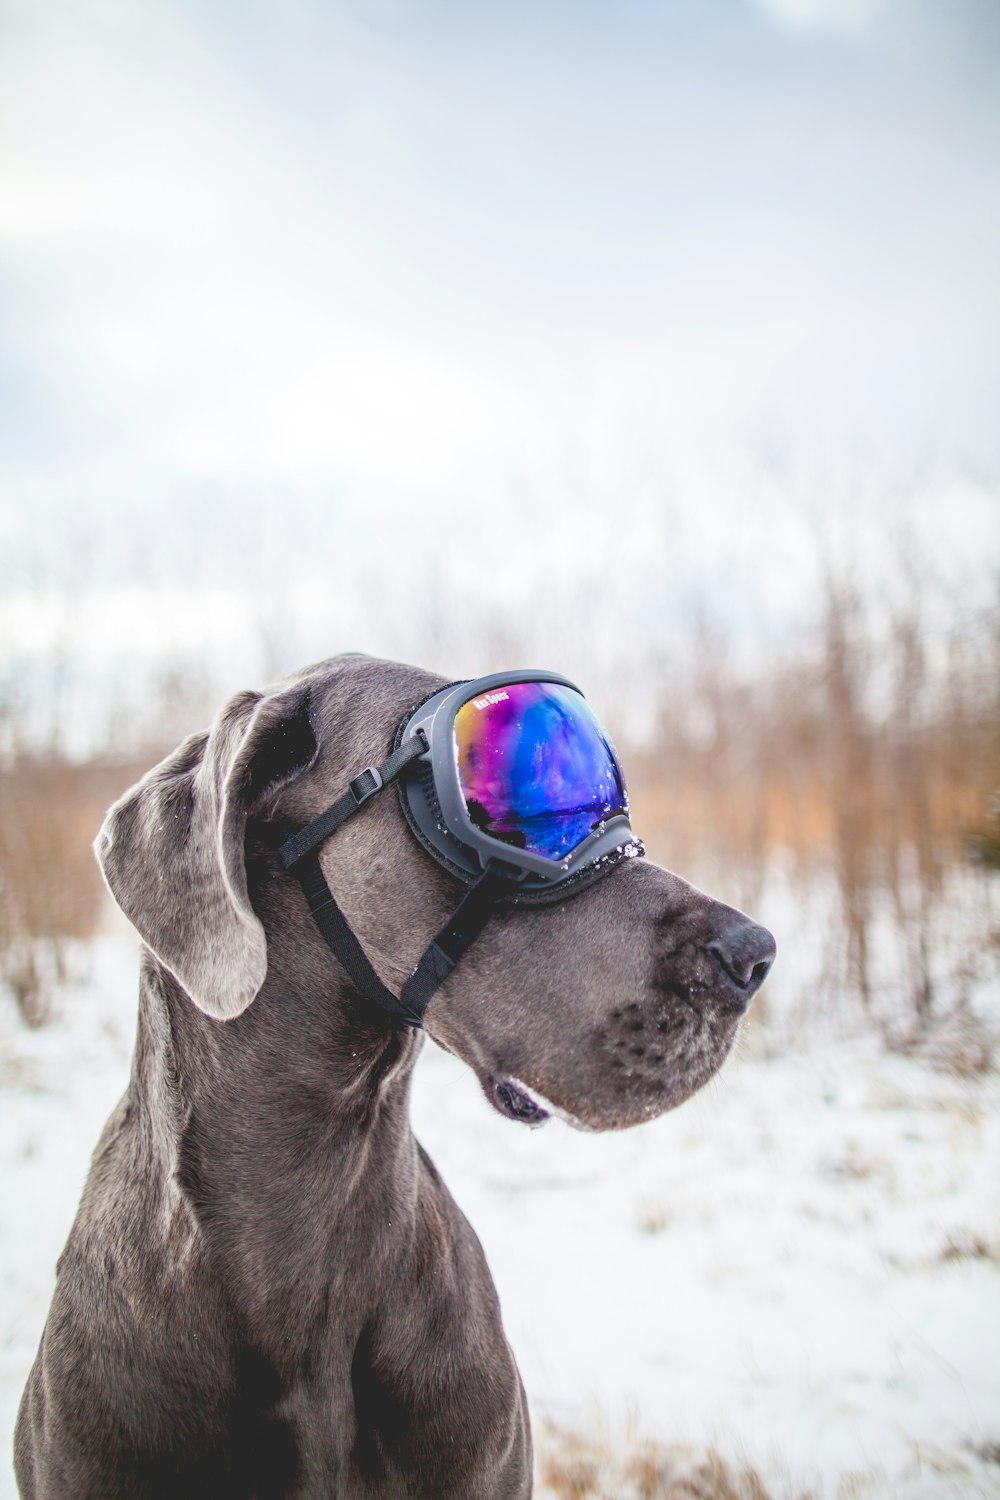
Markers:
{"x": 960, "y": 1043}
{"x": 867, "y": 757}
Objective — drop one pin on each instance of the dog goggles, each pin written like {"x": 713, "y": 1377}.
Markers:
{"x": 510, "y": 782}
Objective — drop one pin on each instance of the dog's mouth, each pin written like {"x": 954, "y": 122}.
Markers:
{"x": 515, "y": 1101}
{"x": 518, "y": 1101}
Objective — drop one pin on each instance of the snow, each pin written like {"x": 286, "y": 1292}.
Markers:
{"x": 800, "y": 1266}
{"x": 765, "y": 1269}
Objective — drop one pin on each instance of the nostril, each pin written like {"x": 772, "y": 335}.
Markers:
{"x": 760, "y": 972}
{"x": 745, "y": 952}
{"x": 738, "y": 973}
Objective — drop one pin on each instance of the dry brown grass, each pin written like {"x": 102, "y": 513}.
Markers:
{"x": 50, "y": 887}
{"x": 685, "y": 806}
{"x": 572, "y": 1467}
{"x": 968, "y": 1246}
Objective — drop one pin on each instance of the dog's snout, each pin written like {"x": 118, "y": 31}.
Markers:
{"x": 745, "y": 952}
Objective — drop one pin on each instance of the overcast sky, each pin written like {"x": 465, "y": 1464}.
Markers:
{"x": 492, "y": 282}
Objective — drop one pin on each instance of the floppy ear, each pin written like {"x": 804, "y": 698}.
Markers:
{"x": 172, "y": 849}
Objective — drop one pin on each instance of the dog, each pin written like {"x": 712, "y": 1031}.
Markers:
{"x": 267, "y": 1291}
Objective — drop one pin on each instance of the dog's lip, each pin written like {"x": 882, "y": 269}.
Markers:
{"x": 516, "y": 1101}
{"x": 522, "y": 1102}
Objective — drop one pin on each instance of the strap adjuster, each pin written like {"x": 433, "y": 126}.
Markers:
{"x": 366, "y": 784}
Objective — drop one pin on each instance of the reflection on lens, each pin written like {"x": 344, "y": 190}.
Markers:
{"x": 535, "y": 767}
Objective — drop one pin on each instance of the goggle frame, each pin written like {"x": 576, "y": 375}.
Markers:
{"x": 435, "y": 807}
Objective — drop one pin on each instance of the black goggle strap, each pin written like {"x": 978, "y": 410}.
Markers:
{"x": 298, "y": 854}
{"x": 458, "y": 933}
{"x": 371, "y": 780}
{"x": 339, "y": 935}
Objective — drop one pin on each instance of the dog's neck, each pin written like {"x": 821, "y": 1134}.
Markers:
{"x": 289, "y": 1129}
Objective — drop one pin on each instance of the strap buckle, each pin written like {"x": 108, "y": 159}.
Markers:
{"x": 366, "y": 784}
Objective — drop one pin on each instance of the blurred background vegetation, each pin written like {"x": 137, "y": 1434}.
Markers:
{"x": 654, "y": 343}
{"x": 843, "y": 787}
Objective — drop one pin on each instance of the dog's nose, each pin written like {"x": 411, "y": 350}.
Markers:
{"x": 745, "y": 953}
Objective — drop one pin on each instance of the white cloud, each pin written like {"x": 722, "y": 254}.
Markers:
{"x": 851, "y": 16}
{"x": 135, "y": 618}
{"x": 210, "y": 281}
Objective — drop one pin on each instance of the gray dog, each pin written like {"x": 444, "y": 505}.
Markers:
{"x": 268, "y": 1291}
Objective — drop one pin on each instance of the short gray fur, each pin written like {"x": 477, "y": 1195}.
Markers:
{"x": 268, "y": 1291}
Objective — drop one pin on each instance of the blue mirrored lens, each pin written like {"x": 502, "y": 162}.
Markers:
{"x": 535, "y": 767}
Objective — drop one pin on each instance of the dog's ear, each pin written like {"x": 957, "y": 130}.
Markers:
{"x": 172, "y": 849}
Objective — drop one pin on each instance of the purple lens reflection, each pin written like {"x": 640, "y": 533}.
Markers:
{"x": 535, "y": 767}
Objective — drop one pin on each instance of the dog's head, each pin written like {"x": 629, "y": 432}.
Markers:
{"x": 608, "y": 1007}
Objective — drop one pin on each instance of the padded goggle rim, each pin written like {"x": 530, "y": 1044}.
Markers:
{"x": 459, "y": 845}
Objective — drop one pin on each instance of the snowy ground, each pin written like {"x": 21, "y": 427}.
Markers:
{"x": 801, "y": 1266}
